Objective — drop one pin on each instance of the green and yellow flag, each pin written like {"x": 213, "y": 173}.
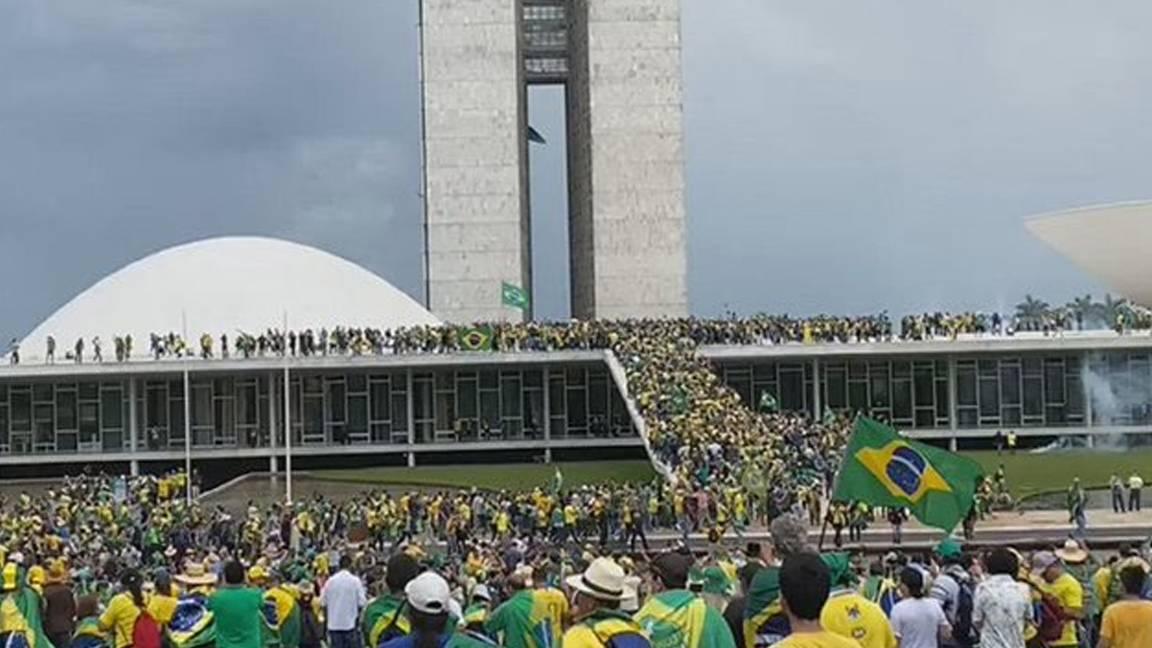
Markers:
{"x": 680, "y": 619}
{"x": 882, "y": 468}
{"x": 514, "y": 296}
{"x": 476, "y": 338}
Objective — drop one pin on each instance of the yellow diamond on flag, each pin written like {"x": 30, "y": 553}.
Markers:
{"x": 902, "y": 470}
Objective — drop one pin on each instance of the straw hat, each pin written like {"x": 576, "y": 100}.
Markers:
{"x": 603, "y": 580}
{"x": 195, "y": 574}
{"x": 1072, "y": 552}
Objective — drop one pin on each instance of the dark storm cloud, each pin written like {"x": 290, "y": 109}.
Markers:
{"x": 841, "y": 156}
{"x": 130, "y": 126}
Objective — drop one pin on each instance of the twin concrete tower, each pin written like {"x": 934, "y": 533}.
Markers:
{"x": 619, "y": 61}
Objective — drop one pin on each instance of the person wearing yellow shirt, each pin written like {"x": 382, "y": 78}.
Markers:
{"x": 804, "y": 587}
{"x": 1127, "y": 623}
{"x": 503, "y": 524}
{"x": 849, "y": 614}
{"x": 1049, "y": 570}
{"x": 120, "y": 616}
{"x": 596, "y": 617}
{"x": 162, "y": 603}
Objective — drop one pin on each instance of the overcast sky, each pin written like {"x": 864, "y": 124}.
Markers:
{"x": 841, "y": 156}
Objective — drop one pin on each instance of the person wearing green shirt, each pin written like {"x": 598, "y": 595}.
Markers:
{"x": 238, "y": 610}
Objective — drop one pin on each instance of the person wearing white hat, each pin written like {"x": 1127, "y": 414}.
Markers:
{"x": 429, "y": 600}
{"x": 597, "y": 619}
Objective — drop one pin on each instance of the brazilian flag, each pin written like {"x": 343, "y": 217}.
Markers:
{"x": 476, "y": 338}
{"x": 281, "y": 618}
{"x": 881, "y": 468}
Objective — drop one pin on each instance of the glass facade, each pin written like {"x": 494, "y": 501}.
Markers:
{"x": 327, "y": 408}
{"x": 994, "y": 392}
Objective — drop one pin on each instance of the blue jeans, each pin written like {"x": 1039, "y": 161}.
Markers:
{"x": 343, "y": 639}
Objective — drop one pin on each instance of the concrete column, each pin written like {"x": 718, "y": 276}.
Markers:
{"x": 411, "y": 459}
{"x": 273, "y": 459}
{"x": 548, "y": 416}
{"x": 133, "y": 429}
{"x": 411, "y": 403}
{"x": 817, "y": 392}
{"x": 953, "y": 423}
{"x": 1088, "y": 409}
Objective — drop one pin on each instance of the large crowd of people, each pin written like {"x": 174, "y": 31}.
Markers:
{"x": 1121, "y": 317}
{"x": 103, "y": 562}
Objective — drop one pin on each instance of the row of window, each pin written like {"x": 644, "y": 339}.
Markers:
{"x": 1019, "y": 391}
{"x": 353, "y": 408}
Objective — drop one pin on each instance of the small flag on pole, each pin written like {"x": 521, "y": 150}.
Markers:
{"x": 514, "y": 296}
{"x": 557, "y": 481}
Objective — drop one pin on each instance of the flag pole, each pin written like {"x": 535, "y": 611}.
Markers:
{"x": 287, "y": 415}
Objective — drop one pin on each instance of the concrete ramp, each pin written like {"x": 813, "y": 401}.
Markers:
{"x": 620, "y": 378}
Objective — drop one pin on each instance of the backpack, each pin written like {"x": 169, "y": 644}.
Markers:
{"x": 963, "y": 633}
{"x": 145, "y": 631}
{"x": 1049, "y": 618}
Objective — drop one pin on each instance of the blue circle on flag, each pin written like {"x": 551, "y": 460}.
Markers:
{"x": 906, "y": 469}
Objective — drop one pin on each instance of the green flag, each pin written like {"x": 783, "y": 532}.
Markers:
{"x": 513, "y": 296}
{"x": 768, "y": 402}
{"x": 882, "y": 468}
{"x": 829, "y": 416}
{"x": 476, "y": 338}
{"x": 557, "y": 481}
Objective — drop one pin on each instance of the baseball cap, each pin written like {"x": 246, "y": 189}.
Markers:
{"x": 428, "y": 593}
{"x": 949, "y": 548}
{"x": 1042, "y": 560}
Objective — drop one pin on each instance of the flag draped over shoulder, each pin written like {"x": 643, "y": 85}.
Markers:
{"x": 764, "y": 620}
{"x": 532, "y": 618}
{"x": 680, "y": 619}
{"x": 476, "y": 338}
{"x": 882, "y": 468}
{"x": 284, "y": 618}
{"x": 384, "y": 617}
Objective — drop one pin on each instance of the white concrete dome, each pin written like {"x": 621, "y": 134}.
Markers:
{"x": 226, "y": 285}
{"x": 1110, "y": 242}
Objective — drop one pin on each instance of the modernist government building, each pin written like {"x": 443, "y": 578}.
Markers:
{"x": 619, "y": 61}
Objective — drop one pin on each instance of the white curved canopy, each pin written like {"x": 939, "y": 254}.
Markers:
{"x": 1111, "y": 242}
{"x": 227, "y": 285}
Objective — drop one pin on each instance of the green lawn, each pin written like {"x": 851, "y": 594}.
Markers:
{"x": 1032, "y": 473}
{"x": 1027, "y": 473}
{"x": 495, "y": 476}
